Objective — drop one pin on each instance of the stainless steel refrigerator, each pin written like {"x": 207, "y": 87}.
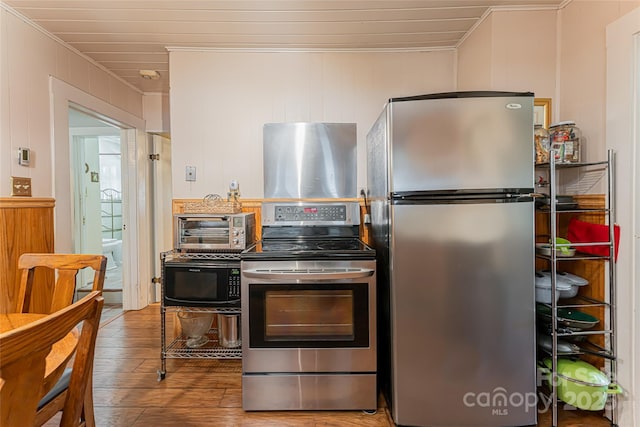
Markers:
{"x": 449, "y": 181}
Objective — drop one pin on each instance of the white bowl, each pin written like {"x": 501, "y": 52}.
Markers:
{"x": 562, "y": 278}
{"x": 543, "y": 288}
{"x": 573, "y": 280}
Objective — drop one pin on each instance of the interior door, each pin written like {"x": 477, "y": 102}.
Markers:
{"x": 162, "y": 206}
{"x": 87, "y": 236}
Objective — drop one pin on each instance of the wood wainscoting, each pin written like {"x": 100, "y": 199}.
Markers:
{"x": 26, "y": 225}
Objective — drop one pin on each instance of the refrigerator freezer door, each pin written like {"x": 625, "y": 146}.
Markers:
{"x": 462, "y": 296}
{"x": 468, "y": 143}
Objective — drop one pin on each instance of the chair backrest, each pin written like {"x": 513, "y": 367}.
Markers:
{"x": 23, "y": 353}
{"x": 66, "y": 267}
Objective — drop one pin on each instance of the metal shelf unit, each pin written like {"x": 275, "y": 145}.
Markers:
{"x": 176, "y": 348}
{"x": 608, "y": 351}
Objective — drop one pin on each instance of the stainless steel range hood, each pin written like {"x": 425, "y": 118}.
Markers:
{"x": 309, "y": 160}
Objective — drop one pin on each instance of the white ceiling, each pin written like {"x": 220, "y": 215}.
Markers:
{"x": 126, "y": 36}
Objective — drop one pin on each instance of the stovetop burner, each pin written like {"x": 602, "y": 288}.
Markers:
{"x": 309, "y": 249}
{"x": 313, "y": 245}
{"x": 310, "y": 230}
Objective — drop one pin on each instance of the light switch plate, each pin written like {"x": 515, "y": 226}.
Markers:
{"x": 20, "y": 186}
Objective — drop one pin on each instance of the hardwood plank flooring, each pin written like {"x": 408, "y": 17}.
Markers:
{"x": 110, "y": 311}
{"x": 199, "y": 392}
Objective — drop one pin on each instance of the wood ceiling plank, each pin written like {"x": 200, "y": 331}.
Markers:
{"x": 139, "y": 65}
{"x": 168, "y": 15}
{"x": 137, "y": 43}
{"x": 257, "y": 28}
{"x": 160, "y": 57}
{"x": 125, "y": 36}
{"x": 90, "y": 47}
{"x": 273, "y": 4}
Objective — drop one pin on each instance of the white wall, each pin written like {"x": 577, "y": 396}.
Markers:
{"x": 512, "y": 51}
{"x": 582, "y": 68}
{"x": 558, "y": 54}
{"x": 221, "y": 100}
{"x": 156, "y": 112}
{"x": 474, "y": 64}
{"x": 28, "y": 57}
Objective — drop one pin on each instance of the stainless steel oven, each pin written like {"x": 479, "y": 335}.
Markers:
{"x": 308, "y": 314}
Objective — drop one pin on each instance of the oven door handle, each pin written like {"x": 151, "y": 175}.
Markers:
{"x": 355, "y": 273}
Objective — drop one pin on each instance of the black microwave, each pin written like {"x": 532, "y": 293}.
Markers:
{"x": 201, "y": 283}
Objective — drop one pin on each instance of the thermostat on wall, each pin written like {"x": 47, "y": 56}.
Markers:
{"x": 24, "y": 156}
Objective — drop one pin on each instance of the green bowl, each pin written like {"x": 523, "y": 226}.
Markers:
{"x": 562, "y": 241}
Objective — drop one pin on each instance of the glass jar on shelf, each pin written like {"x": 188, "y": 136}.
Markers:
{"x": 565, "y": 142}
{"x": 541, "y": 144}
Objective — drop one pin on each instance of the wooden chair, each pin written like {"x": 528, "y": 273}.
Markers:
{"x": 23, "y": 352}
{"x": 66, "y": 267}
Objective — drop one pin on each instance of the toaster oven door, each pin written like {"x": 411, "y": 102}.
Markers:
{"x": 202, "y": 233}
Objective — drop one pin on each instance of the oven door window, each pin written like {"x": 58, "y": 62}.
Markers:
{"x": 212, "y": 231}
{"x": 335, "y": 315}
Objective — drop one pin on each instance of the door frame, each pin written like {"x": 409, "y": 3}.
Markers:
{"x": 623, "y": 135}
{"x": 135, "y": 172}
{"x": 162, "y": 207}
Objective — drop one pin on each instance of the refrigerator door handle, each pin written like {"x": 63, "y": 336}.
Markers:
{"x": 527, "y": 196}
{"x": 463, "y": 198}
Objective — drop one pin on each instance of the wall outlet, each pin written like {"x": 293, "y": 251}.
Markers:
{"x": 190, "y": 173}
{"x": 20, "y": 186}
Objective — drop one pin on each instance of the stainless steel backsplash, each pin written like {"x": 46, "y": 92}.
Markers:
{"x": 309, "y": 160}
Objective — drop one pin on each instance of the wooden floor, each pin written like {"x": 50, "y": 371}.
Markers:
{"x": 109, "y": 311}
{"x": 200, "y": 392}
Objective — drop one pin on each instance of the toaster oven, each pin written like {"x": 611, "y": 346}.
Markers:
{"x": 214, "y": 232}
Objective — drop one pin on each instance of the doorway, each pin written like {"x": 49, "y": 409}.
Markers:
{"x": 96, "y": 162}
{"x": 136, "y": 246}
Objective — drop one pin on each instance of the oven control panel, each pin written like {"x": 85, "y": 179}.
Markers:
{"x": 311, "y": 213}
{"x": 234, "y": 284}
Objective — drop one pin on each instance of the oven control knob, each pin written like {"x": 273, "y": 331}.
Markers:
{"x": 235, "y": 232}
{"x": 236, "y": 241}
